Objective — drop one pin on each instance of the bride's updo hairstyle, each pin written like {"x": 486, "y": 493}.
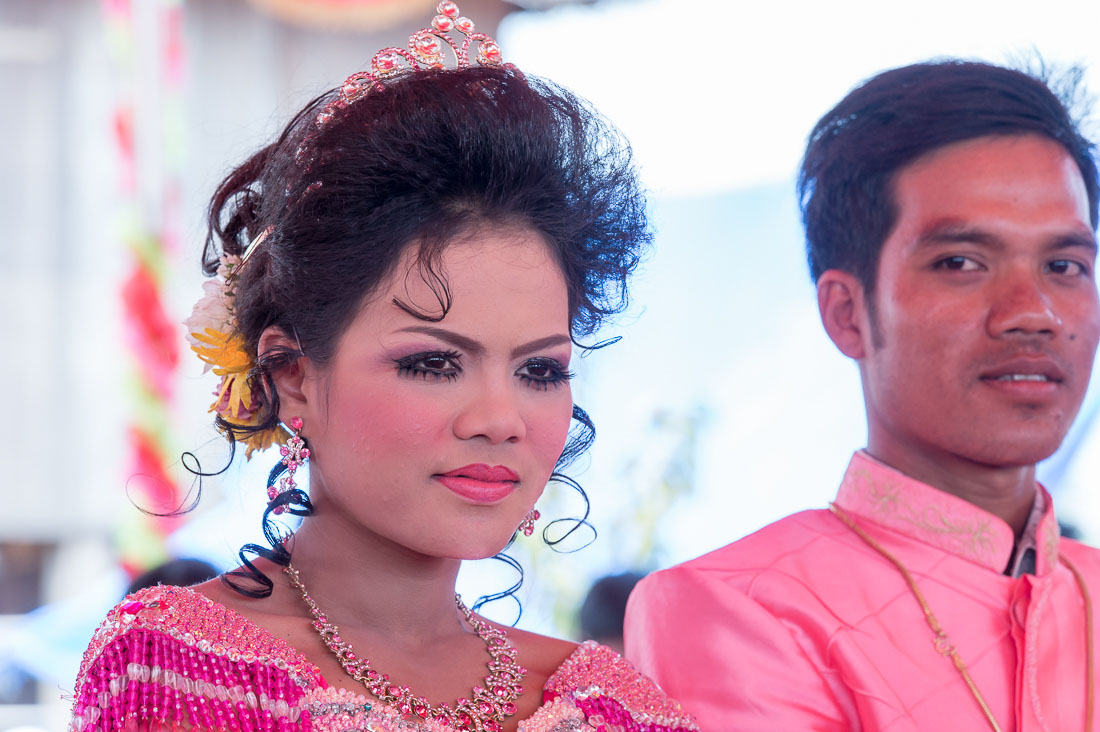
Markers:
{"x": 428, "y": 156}
{"x": 419, "y": 159}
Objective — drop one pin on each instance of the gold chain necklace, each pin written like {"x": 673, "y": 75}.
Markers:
{"x": 943, "y": 643}
{"x": 484, "y": 712}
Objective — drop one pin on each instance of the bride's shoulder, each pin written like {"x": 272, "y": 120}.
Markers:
{"x": 592, "y": 665}
{"x": 191, "y": 617}
{"x": 207, "y": 660}
{"x": 542, "y": 655}
{"x": 595, "y": 684}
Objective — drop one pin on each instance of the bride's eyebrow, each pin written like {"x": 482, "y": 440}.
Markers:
{"x": 540, "y": 344}
{"x": 474, "y": 347}
{"x": 457, "y": 340}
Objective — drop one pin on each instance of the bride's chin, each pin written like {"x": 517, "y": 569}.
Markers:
{"x": 480, "y": 550}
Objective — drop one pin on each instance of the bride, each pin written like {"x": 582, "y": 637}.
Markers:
{"x": 397, "y": 285}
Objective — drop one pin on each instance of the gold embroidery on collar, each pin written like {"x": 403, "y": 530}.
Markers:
{"x": 1049, "y": 544}
{"x": 887, "y": 501}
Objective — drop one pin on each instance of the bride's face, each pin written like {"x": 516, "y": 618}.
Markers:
{"x": 440, "y": 436}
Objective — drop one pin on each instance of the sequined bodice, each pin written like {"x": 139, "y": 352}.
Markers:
{"x": 168, "y": 655}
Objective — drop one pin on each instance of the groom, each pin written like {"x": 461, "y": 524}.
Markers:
{"x": 950, "y": 212}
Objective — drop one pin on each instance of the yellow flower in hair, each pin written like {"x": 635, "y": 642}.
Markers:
{"x": 259, "y": 441}
{"x": 211, "y": 333}
{"x": 227, "y": 358}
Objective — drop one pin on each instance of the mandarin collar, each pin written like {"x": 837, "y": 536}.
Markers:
{"x": 878, "y": 493}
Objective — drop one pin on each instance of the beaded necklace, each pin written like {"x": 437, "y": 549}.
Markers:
{"x": 943, "y": 642}
{"x": 484, "y": 712}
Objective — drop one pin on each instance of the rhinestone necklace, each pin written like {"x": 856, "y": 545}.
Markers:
{"x": 943, "y": 642}
{"x": 484, "y": 712}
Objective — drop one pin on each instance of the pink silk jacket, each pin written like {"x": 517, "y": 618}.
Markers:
{"x": 803, "y": 626}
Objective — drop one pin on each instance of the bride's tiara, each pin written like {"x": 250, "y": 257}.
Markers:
{"x": 427, "y": 50}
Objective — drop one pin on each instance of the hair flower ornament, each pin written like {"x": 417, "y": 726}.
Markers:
{"x": 212, "y": 333}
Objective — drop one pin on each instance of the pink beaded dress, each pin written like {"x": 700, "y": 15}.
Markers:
{"x": 169, "y": 658}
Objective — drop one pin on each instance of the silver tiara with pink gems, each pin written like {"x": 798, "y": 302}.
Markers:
{"x": 425, "y": 51}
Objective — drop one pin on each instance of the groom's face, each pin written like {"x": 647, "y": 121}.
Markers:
{"x": 986, "y": 303}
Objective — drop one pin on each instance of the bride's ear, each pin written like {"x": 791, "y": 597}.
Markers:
{"x": 289, "y": 380}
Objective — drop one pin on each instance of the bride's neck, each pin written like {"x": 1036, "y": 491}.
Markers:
{"x": 359, "y": 578}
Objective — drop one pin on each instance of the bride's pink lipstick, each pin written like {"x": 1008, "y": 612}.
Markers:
{"x": 480, "y": 483}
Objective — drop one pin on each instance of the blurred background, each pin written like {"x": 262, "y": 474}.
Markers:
{"x": 724, "y": 407}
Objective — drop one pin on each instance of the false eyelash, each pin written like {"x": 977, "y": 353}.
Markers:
{"x": 407, "y": 366}
{"x": 561, "y": 374}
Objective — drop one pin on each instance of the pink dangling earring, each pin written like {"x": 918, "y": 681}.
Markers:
{"x": 527, "y": 526}
{"x": 294, "y": 454}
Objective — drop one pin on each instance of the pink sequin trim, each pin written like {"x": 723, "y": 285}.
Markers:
{"x": 613, "y": 694}
{"x": 339, "y": 710}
